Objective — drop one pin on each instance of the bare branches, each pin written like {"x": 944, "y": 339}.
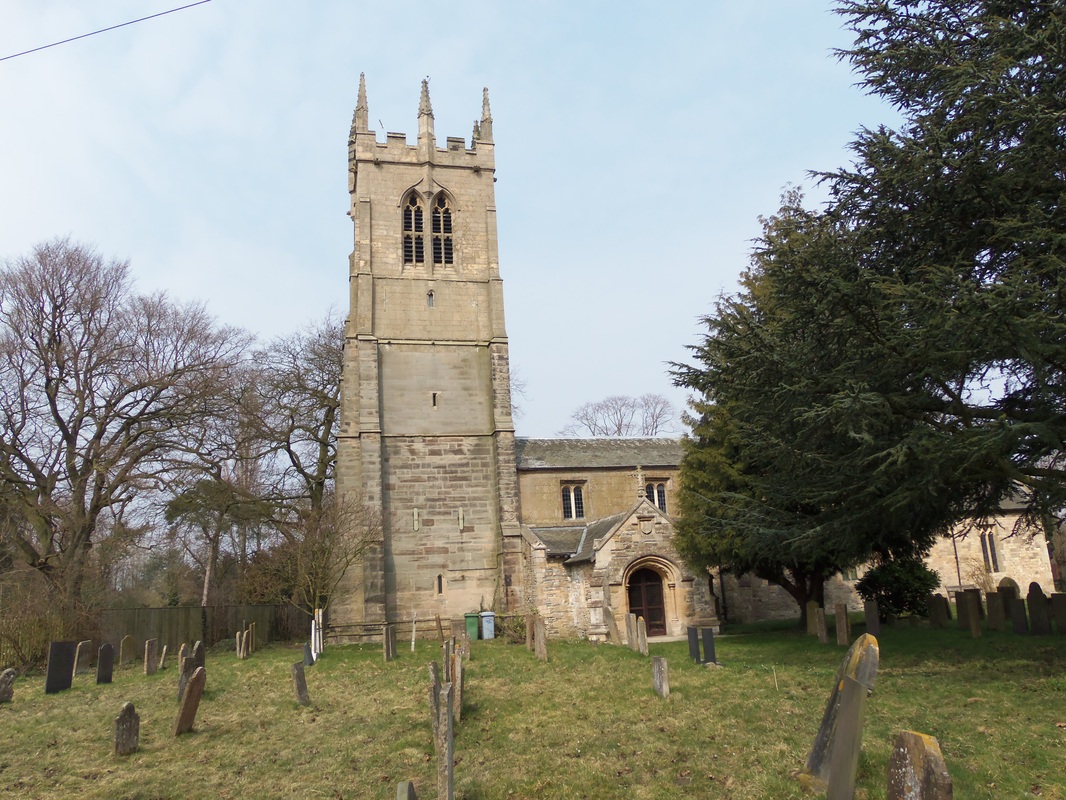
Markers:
{"x": 621, "y": 415}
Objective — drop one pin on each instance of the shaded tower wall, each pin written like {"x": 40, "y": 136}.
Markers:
{"x": 426, "y": 436}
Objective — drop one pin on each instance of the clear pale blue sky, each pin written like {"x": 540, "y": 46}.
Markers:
{"x": 636, "y": 145}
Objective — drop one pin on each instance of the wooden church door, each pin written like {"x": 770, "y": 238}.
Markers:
{"x": 646, "y": 600}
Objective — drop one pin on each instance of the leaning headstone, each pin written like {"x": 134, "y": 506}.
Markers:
{"x": 631, "y": 631}
{"x": 299, "y": 684}
{"x": 151, "y": 656}
{"x": 127, "y": 730}
{"x": 406, "y": 791}
{"x": 125, "y": 649}
{"x": 709, "y": 656}
{"x": 81, "y": 657}
{"x": 540, "y": 639}
{"x": 199, "y": 654}
{"x": 163, "y": 658}
{"x": 185, "y": 670}
{"x": 1018, "y": 620}
{"x": 996, "y": 616}
{"x": 694, "y": 644}
{"x": 660, "y": 676}
{"x": 309, "y": 656}
{"x": 819, "y": 622}
{"x": 182, "y": 652}
{"x": 60, "y": 669}
{"x": 973, "y": 616}
{"x": 105, "y": 663}
{"x": 812, "y": 617}
{"x": 976, "y": 594}
{"x": 434, "y": 697}
{"x": 445, "y": 745}
{"x": 938, "y": 611}
{"x": 190, "y": 702}
{"x": 843, "y": 624}
{"x": 1058, "y": 611}
{"x": 873, "y": 618}
{"x": 844, "y": 761}
{"x": 917, "y": 770}
{"x": 642, "y": 636}
{"x": 7, "y": 685}
{"x": 860, "y": 664}
{"x": 612, "y": 625}
{"x": 1039, "y": 613}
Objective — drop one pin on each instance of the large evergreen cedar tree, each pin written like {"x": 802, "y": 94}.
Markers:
{"x": 895, "y": 361}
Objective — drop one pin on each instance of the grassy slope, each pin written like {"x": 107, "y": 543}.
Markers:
{"x": 587, "y": 724}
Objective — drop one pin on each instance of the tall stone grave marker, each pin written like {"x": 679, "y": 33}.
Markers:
{"x": 127, "y": 730}
{"x": 844, "y": 760}
{"x": 812, "y": 617}
{"x": 962, "y": 611}
{"x": 81, "y": 657}
{"x": 540, "y": 639}
{"x": 939, "y": 614}
{"x": 976, "y": 595}
{"x": 7, "y": 685}
{"x": 125, "y": 649}
{"x": 1039, "y": 613}
{"x": 185, "y": 670}
{"x": 299, "y": 684}
{"x": 60, "y": 669}
{"x": 309, "y": 655}
{"x": 434, "y": 697}
{"x": 709, "y": 656}
{"x": 183, "y": 651}
{"x": 694, "y": 644}
{"x": 445, "y": 745}
{"x": 105, "y": 663}
{"x": 530, "y": 635}
{"x": 873, "y": 618}
{"x": 973, "y": 615}
{"x": 631, "y": 631}
{"x": 151, "y": 656}
{"x": 642, "y": 636}
{"x": 190, "y": 702}
{"x": 996, "y": 616}
{"x": 1018, "y": 620}
{"x": 199, "y": 654}
{"x": 660, "y": 676}
{"x": 819, "y": 623}
{"x": 1058, "y": 611}
{"x": 843, "y": 624}
{"x": 163, "y": 658}
{"x": 917, "y": 770}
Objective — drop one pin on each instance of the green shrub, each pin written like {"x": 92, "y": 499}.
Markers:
{"x": 901, "y": 586}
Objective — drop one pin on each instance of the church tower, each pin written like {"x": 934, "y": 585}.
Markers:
{"x": 426, "y": 437}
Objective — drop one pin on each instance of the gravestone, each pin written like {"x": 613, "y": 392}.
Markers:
{"x": 996, "y": 616}
{"x": 185, "y": 670}
{"x": 540, "y": 639}
{"x": 237, "y": 640}
{"x": 694, "y": 644}
{"x": 843, "y": 625}
{"x": 860, "y": 663}
{"x": 530, "y": 635}
{"x": 642, "y": 636}
{"x": 434, "y": 697}
{"x": 1019, "y": 622}
{"x": 127, "y": 730}
{"x": 125, "y": 649}
{"x": 299, "y": 684}
{"x": 612, "y": 625}
{"x": 873, "y": 619}
{"x": 962, "y": 611}
{"x": 917, "y": 770}
{"x": 183, "y": 651}
{"x": 81, "y": 657}
{"x": 939, "y": 613}
{"x": 105, "y": 663}
{"x": 819, "y": 623}
{"x": 660, "y": 676}
{"x": 1039, "y": 613}
{"x": 151, "y": 656}
{"x": 812, "y": 617}
{"x": 973, "y": 616}
{"x": 1058, "y": 611}
{"x": 7, "y": 685}
{"x": 309, "y": 657}
{"x": 406, "y": 791}
{"x": 388, "y": 642}
{"x": 445, "y": 745}
{"x": 60, "y": 669}
{"x": 458, "y": 683}
{"x": 199, "y": 654}
{"x": 190, "y": 701}
{"x": 631, "y": 631}
{"x": 709, "y": 656}
{"x": 844, "y": 761}
{"x": 163, "y": 658}
{"x": 447, "y": 659}
{"x": 976, "y": 594}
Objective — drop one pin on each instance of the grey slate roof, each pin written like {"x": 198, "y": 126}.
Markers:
{"x": 591, "y": 453}
{"x": 576, "y": 541}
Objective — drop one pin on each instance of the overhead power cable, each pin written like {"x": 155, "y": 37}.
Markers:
{"x": 103, "y": 30}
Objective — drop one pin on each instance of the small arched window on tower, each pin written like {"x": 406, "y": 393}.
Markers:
{"x": 442, "y": 231}
{"x": 414, "y": 248}
{"x": 430, "y": 299}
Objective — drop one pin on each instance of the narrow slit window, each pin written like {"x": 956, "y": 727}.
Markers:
{"x": 442, "y": 231}
{"x": 579, "y": 503}
{"x": 413, "y": 231}
{"x": 434, "y": 399}
{"x": 429, "y": 299}
{"x": 440, "y": 584}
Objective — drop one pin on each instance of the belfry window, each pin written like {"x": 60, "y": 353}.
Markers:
{"x": 414, "y": 248}
{"x": 442, "y": 231}
{"x": 573, "y": 502}
{"x": 656, "y": 494}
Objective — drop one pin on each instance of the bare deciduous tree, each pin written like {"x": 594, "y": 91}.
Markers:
{"x": 621, "y": 415}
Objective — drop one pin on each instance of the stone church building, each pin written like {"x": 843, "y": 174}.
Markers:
{"x": 472, "y": 517}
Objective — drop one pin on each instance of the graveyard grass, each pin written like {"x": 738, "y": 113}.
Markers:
{"x": 585, "y": 724}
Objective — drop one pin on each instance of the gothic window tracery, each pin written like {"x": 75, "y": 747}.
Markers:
{"x": 656, "y": 494}
{"x": 573, "y": 502}
{"x": 443, "y": 252}
{"x": 414, "y": 248}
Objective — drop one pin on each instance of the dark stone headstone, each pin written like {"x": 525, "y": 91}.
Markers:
{"x": 299, "y": 684}
{"x": 105, "y": 663}
{"x": 127, "y": 730}
{"x": 1039, "y": 613}
{"x": 973, "y": 615}
{"x": 812, "y": 617}
{"x": 7, "y": 685}
{"x": 309, "y": 657}
{"x": 694, "y": 644}
{"x": 873, "y": 620}
{"x": 190, "y": 701}
{"x": 199, "y": 654}
{"x": 819, "y": 624}
{"x": 939, "y": 611}
{"x": 996, "y": 616}
{"x": 962, "y": 611}
{"x": 917, "y": 770}
{"x": 183, "y": 651}
{"x": 660, "y": 676}
{"x": 60, "y": 666}
{"x": 976, "y": 594}
{"x": 843, "y": 625}
{"x": 844, "y": 761}
{"x": 709, "y": 656}
{"x": 185, "y": 670}
{"x": 1018, "y": 620}
{"x": 1058, "y": 611}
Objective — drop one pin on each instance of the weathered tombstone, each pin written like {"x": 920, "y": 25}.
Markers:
{"x": 60, "y": 669}
{"x": 819, "y": 621}
{"x": 190, "y": 701}
{"x": 631, "y": 631}
{"x": 125, "y": 649}
{"x": 873, "y": 619}
{"x": 199, "y": 654}
{"x": 1018, "y": 620}
{"x": 447, "y": 658}
{"x": 642, "y": 636}
{"x": 434, "y": 697}
{"x": 309, "y": 657}
{"x": 962, "y": 611}
{"x": 406, "y": 791}
{"x": 529, "y": 632}
{"x": 299, "y": 684}
{"x": 694, "y": 644}
{"x": 996, "y": 617}
{"x": 540, "y": 639}
{"x": 163, "y": 658}
{"x": 185, "y": 670}
{"x": 812, "y": 617}
{"x": 612, "y": 625}
{"x": 105, "y": 663}
{"x": 81, "y": 657}
{"x": 660, "y": 676}
{"x": 183, "y": 651}
{"x": 237, "y": 640}
{"x": 7, "y": 685}
{"x": 457, "y": 689}
{"x": 917, "y": 770}
{"x": 860, "y": 663}
{"x": 445, "y": 745}
{"x": 151, "y": 656}
{"x": 1058, "y": 611}
{"x": 844, "y": 761}
{"x": 938, "y": 611}
{"x": 127, "y": 730}
{"x": 973, "y": 616}
{"x": 709, "y": 656}
{"x": 843, "y": 624}
{"x": 1039, "y": 614}
{"x": 976, "y": 594}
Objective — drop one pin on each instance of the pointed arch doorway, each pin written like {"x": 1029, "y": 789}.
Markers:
{"x": 646, "y": 600}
